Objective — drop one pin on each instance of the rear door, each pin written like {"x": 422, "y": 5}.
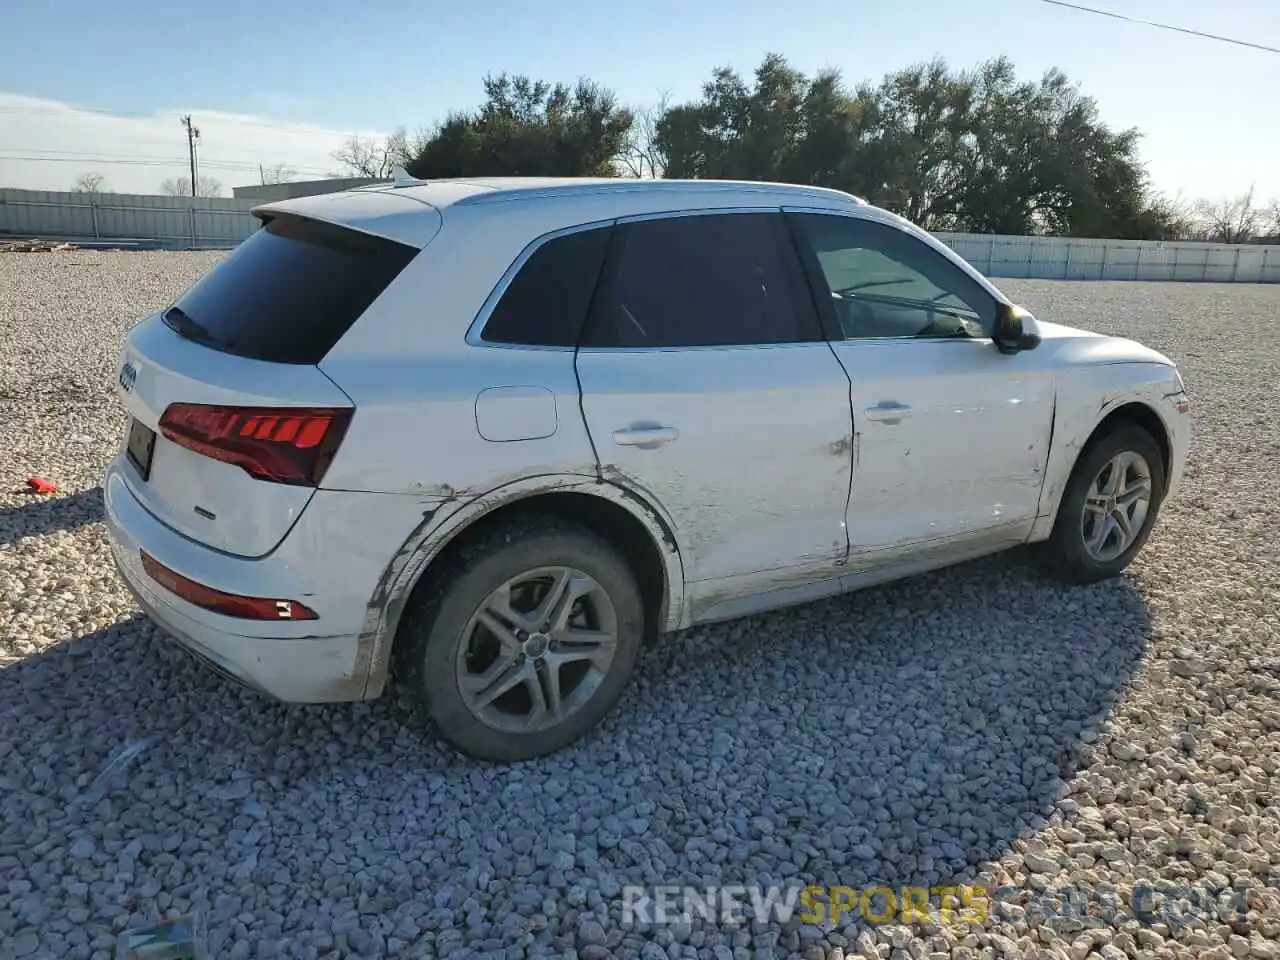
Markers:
{"x": 952, "y": 435}
{"x": 706, "y": 382}
{"x": 247, "y": 337}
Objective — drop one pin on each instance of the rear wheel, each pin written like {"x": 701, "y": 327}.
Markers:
{"x": 1109, "y": 507}
{"x": 526, "y": 642}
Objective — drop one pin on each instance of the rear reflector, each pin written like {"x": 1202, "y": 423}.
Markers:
{"x": 227, "y": 604}
{"x": 279, "y": 444}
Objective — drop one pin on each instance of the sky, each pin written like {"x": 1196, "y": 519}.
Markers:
{"x": 94, "y": 86}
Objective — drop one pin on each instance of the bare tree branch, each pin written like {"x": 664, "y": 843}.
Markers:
{"x": 181, "y": 187}
{"x": 373, "y": 158}
{"x": 1234, "y": 220}
{"x": 89, "y": 183}
{"x": 278, "y": 173}
{"x": 641, "y": 157}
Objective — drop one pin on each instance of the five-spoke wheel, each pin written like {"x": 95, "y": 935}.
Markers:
{"x": 537, "y": 649}
{"x": 1115, "y": 507}
{"x": 524, "y": 639}
{"x": 1108, "y": 508}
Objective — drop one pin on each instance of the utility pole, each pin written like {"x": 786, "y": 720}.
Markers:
{"x": 193, "y": 135}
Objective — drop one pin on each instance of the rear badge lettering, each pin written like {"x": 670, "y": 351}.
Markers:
{"x": 128, "y": 376}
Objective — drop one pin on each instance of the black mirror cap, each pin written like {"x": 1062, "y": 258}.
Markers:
{"x": 1015, "y": 329}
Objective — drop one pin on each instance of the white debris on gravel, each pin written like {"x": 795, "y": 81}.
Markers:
{"x": 976, "y": 726}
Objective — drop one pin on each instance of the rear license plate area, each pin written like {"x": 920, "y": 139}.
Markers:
{"x": 140, "y": 447}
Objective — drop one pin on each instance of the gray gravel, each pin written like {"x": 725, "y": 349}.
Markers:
{"x": 979, "y": 725}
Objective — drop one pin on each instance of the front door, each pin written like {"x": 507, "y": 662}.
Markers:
{"x": 952, "y": 436}
{"x": 707, "y": 383}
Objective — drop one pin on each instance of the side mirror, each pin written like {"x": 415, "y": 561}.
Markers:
{"x": 1015, "y": 329}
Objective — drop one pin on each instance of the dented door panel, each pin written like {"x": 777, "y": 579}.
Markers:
{"x": 747, "y": 448}
{"x": 952, "y": 440}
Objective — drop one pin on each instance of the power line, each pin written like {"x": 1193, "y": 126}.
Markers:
{"x": 98, "y": 113}
{"x": 18, "y": 154}
{"x": 236, "y": 166}
{"x": 1163, "y": 26}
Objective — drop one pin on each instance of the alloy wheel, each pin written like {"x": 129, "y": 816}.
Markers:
{"x": 1116, "y": 506}
{"x": 536, "y": 649}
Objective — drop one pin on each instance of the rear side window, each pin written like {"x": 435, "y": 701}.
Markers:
{"x": 705, "y": 280}
{"x": 547, "y": 301}
{"x": 290, "y": 291}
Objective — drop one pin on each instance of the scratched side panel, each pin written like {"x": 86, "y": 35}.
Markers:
{"x": 756, "y": 479}
{"x": 968, "y": 454}
{"x": 1087, "y": 395}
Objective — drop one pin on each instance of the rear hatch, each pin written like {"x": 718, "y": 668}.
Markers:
{"x": 232, "y": 423}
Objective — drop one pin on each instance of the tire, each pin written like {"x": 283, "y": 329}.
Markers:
{"x": 461, "y": 642}
{"x": 1066, "y": 554}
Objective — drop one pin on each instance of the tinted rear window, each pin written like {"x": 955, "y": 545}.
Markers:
{"x": 547, "y": 301}
{"x": 290, "y": 291}
{"x": 706, "y": 280}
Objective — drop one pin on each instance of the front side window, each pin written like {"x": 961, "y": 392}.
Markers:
{"x": 704, "y": 280}
{"x": 885, "y": 283}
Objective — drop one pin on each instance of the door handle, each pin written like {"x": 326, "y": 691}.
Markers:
{"x": 889, "y": 413}
{"x": 646, "y": 438}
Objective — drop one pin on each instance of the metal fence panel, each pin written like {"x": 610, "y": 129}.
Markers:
{"x": 191, "y": 222}
{"x": 1082, "y": 258}
{"x": 179, "y": 222}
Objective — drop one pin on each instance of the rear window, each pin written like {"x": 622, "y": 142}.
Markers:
{"x": 289, "y": 292}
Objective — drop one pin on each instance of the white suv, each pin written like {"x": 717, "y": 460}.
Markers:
{"x": 493, "y": 435}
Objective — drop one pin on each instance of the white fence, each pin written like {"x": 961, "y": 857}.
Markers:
{"x": 1073, "y": 258}
{"x": 191, "y": 223}
{"x": 126, "y": 219}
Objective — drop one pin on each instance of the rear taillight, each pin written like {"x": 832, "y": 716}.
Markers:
{"x": 280, "y": 444}
{"x": 227, "y": 604}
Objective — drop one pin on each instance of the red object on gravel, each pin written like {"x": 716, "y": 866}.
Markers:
{"x": 41, "y": 485}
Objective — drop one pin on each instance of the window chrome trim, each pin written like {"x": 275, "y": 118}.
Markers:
{"x": 474, "y": 336}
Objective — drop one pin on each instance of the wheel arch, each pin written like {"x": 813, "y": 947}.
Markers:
{"x": 1138, "y": 414}
{"x": 1078, "y": 438}
{"x": 623, "y": 517}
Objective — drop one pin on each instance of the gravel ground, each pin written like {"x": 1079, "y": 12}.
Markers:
{"x": 979, "y": 725}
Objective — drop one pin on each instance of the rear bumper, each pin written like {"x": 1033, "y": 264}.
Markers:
{"x": 311, "y": 670}
{"x": 320, "y": 661}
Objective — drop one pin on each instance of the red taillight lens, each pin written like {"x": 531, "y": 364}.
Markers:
{"x": 227, "y": 604}
{"x": 280, "y": 444}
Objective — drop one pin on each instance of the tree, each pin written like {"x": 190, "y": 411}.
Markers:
{"x": 641, "y": 156}
{"x": 372, "y": 157}
{"x": 528, "y": 128}
{"x": 736, "y": 132}
{"x": 1272, "y": 220}
{"x": 1233, "y": 220}
{"x": 89, "y": 183}
{"x": 181, "y": 187}
{"x": 279, "y": 173}
{"x": 971, "y": 150}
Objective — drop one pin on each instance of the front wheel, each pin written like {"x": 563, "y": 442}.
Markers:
{"x": 527, "y": 642}
{"x": 1109, "y": 507}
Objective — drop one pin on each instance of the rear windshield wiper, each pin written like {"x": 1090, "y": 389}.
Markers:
{"x": 181, "y": 321}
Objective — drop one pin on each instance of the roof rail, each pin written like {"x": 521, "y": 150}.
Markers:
{"x": 550, "y": 188}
